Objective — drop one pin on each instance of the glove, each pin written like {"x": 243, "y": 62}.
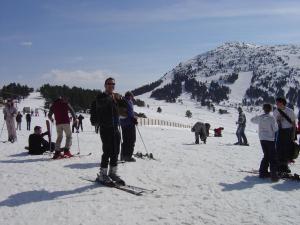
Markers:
{"x": 135, "y": 121}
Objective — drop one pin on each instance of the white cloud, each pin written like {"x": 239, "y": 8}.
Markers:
{"x": 190, "y": 9}
{"x": 80, "y": 78}
{"x": 26, "y": 43}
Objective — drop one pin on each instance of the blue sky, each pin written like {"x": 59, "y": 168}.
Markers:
{"x": 78, "y": 42}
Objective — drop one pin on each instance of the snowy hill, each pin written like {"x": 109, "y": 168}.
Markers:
{"x": 236, "y": 72}
{"x": 195, "y": 184}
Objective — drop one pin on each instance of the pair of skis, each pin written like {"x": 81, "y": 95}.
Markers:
{"x": 138, "y": 191}
{"x": 284, "y": 176}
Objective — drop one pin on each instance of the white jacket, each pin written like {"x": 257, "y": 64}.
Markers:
{"x": 267, "y": 127}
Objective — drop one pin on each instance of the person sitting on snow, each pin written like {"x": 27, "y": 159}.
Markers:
{"x": 218, "y": 131}
{"x": 37, "y": 144}
{"x": 200, "y": 130}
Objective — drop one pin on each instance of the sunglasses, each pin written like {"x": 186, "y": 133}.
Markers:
{"x": 111, "y": 84}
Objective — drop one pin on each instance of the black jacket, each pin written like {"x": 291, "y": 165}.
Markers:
{"x": 36, "y": 142}
{"x": 109, "y": 108}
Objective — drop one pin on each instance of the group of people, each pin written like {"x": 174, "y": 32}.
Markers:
{"x": 19, "y": 120}
{"x": 277, "y": 134}
{"x": 114, "y": 111}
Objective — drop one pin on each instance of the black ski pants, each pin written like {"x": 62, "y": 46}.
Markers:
{"x": 284, "y": 146}
{"x": 110, "y": 137}
{"x": 269, "y": 158}
{"x": 28, "y": 124}
{"x": 129, "y": 138}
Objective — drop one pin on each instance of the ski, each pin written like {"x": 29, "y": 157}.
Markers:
{"x": 74, "y": 156}
{"x": 127, "y": 188}
{"x": 284, "y": 176}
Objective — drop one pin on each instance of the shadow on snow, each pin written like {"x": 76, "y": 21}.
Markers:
{"x": 28, "y": 197}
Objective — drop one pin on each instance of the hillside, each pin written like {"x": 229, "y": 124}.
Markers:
{"x": 233, "y": 73}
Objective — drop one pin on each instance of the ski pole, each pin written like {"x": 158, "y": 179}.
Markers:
{"x": 78, "y": 144}
{"x": 142, "y": 139}
{"x": 2, "y": 128}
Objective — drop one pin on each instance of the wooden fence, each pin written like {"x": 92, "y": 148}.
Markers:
{"x": 157, "y": 122}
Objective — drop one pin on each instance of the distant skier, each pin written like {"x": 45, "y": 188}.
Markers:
{"x": 200, "y": 131}
{"x": 240, "y": 132}
{"x": 37, "y": 144}
{"x": 75, "y": 125}
{"x": 286, "y": 134}
{"x": 28, "y": 120}
{"x": 19, "y": 120}
{"x": 60, "y": 109}
{"x": 80, "y": 118}
{"x": 109, "y": 109}
{"x": 128, "y": 130}
{"x": 10, "y": 112}
{"x": 267, "y": 127}
{"x": 45, "y": 112}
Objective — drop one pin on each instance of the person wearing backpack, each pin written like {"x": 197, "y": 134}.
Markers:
{"x": 128, "y": 130}
{"x": 285, "y": 118}
{"x": 109, "y": 107}
{"x": 267, "y": 128}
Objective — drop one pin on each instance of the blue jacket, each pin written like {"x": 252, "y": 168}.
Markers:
{"x": 129, "y": 120}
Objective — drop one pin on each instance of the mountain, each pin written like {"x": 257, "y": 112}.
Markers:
{"x": 233, "y": 72}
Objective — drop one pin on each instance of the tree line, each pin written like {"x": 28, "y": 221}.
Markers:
{"x": 15, "y": 91}
{"x": 80, "y": 99}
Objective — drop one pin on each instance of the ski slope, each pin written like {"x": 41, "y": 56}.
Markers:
{"x": 196, "y": 184}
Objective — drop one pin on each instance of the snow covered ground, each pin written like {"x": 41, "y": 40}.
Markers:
{"x": 196, "y": 184}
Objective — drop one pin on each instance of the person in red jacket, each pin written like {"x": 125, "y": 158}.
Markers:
{"x": 60, "y": 108}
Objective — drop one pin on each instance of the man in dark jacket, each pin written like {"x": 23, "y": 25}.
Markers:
{"x": 286, "y": 120}
{"x": 19, "y": 120}
{"x": 128, "y": 130}
{"x": 60, "y": 108}
{"x": 80, "y": 118}
{"x": 108, "y": 111}
{"x": 240, "y": 132}
{"x": 37, "y": 144}
{"x": 28, "y": 120}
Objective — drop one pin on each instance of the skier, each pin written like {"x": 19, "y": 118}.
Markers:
{"x": 45, "y": 112}
{"x": 19, "y": 120}
{"x": 60, "y": 109}
{"x": 28, "y": 120}
{"x": 200, "y": 130}
{"x": 240, "y": 132}
{"x": 37, "y": 144}
{"x": 128, "y": 130}
{"x": 10, "y": 112}
{"x": 75, "y": 125}
{"x": 286, "y": 134}
{"x": 109, "y": 107}
{"x": 80, "y": 118}
{"x": 267, "y": 127}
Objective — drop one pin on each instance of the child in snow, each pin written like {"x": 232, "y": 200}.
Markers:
{"x": 267, "y": 127}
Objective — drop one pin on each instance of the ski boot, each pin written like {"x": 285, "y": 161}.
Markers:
{"x": 57, "y": 155}
{"x": 104, "y": 179}
{"x": 67, "y": 153}
{"x": 112, "y": 174}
